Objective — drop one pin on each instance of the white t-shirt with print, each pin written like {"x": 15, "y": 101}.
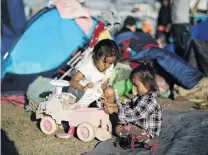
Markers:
{"x": 91, "y": 73}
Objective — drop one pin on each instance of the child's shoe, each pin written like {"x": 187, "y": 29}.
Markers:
{"x": 66, "y": 135}
{"x": 122, "y": 142}
{"x": 150, "y": 146}
{"x": 128, "y": 142}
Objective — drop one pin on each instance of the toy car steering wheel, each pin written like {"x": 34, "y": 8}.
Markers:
{"x": 59, "y": 83}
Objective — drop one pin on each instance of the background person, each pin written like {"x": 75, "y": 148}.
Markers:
{"x": 164, "y": 20}
{"x": 180, "y": 25}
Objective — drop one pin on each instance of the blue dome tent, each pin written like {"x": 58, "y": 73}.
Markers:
{"x": 46, "y": 44}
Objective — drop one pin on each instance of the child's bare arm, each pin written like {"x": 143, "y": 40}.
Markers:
{"x": 104, "y": 85}
{"x": 74, "y": 83}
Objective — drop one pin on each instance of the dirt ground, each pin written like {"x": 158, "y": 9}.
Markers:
{"x": 20, "y": 135}
{"x": 18, "y": 131}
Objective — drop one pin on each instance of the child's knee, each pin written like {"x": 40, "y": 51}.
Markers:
{"x": 119, "y": 129}
{"x": 109, "y": 92}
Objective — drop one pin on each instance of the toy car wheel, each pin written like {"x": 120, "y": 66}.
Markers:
{"x": 102, "y": 134}
{"x": 48, "y": 125}
{"x": 85, "y": 132}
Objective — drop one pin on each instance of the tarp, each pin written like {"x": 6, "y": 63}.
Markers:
{"x": 180, "y": 70}
{"x": 142, "y": 38}
{"x": 183, "y": 133}
{"x": 200, "y": 31}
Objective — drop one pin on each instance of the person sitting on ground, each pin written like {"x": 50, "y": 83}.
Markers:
{"x": 141, "y": 117}
{"x": 130, "y": 25}
{"x": 96, "y": 69}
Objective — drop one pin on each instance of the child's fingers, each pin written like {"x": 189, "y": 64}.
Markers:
{"x": 102, "y": 96}
{"x": 106, "y": 110}
{"x": 103, "y": 99}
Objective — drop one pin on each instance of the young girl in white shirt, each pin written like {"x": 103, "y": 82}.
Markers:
{"x": 97, "y": 68}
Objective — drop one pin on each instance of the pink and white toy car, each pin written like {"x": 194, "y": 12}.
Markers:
{"x": 90, "y": 122}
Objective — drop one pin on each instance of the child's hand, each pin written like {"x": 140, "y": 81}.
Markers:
{"x": 102, "y": 100}
{"x": 168, "y": 28}
{"x": 107, "y": 110}
{"x": 161, "y": 28}
{"x": 110, "y": 108}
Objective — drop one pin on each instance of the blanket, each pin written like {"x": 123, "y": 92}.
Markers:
{"x": 72, "y": 9}
{"x": 183, "y": 133}
{"x": 181, "y": 71}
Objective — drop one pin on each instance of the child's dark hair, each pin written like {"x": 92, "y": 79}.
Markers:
{"x": 146, "y": 74}
{"x": 129, "y": 21}
{"x": 161, "y": 1}
{"x": 106, "y": 48}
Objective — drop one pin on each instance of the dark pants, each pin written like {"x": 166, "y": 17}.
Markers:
{"x": 181, "y": 35}
{"x": 114, "y": 122}
{"x": 163, "y": 35}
